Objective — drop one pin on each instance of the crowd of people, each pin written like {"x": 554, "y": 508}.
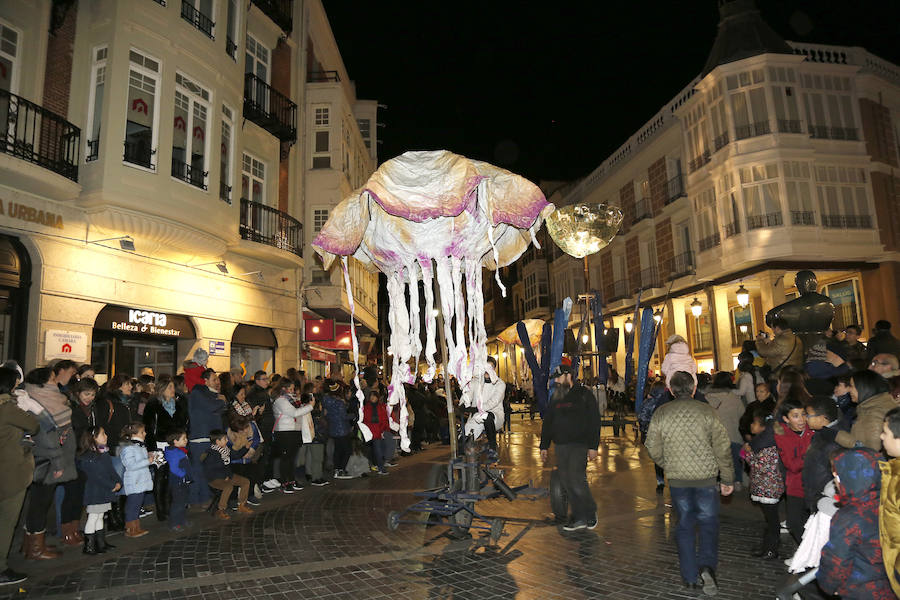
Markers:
{"x": 103, "y": 457}
{"x": 815, "y": 435}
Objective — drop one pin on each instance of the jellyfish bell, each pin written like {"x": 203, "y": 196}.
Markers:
{"x": 584, "y": 229}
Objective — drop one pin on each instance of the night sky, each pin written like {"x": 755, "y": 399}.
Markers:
{"x": 550, "y": 89}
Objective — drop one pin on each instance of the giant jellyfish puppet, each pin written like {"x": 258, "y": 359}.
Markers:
{"x": 426, "y": 216}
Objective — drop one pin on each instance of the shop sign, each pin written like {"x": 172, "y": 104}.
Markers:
{"x": 29, "y": 214}
{"x": 146, "y": 322}
{"x": 65, "y": 344}
{"x": 216, "y": 348}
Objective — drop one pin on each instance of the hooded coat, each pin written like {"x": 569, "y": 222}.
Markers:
{"x": 679, "y": 358}
{"x": 852, "y": 564}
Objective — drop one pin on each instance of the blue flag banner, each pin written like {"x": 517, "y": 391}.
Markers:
{"x": 602, "y": 371}
{"x": 645, "y": 352}
{"x": 629, "y": 341}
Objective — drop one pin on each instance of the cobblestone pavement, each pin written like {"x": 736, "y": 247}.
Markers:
{"x": 333, "y": 542}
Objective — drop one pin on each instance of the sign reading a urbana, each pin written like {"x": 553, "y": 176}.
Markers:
{"x": 17, "y": 210}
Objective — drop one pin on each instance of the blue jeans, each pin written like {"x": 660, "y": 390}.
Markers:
{"x": 198, "y": 491}
{"x": 738, "y": 463}
{"x": 698, "y": 512}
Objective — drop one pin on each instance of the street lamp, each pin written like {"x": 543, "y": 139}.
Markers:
{"x": 629, "y": 325}
{"x": 584, "y": 338}
{"x": 743, "y": 328}
{"x": 657, "y": 316}
{"x": 743, "y": 296}
{"x": 696, "y": 308}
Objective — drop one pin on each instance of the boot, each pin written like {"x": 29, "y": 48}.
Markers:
{"x": 102, "y": 544}
{"x": 36, "y": 549}
{"x": 115, "y": 517}
{"x": 70, "y": 534}
{"x": 90, "y": 544}
{"x": 133, "y": 529}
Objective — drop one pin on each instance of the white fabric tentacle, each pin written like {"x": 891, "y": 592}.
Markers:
{"x": 430, "y": 346}
{"x": 367, "y": 433}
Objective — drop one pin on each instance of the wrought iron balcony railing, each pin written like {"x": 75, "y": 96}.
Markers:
{"x": 742, "y": 132}
{"x": 720, "y": 141}
{"x": 231, "y": 48}
{"x": 681, "y": 265}
{"x": 847, "y": 221}
{"x": 732, "y": 229}
{"x": 698, "y": 161}
{"x": 188, "y": 174}
{"x": 773, "y": 219}
{"x": 833, "y": 133}
{"x": 197, "y": 19}
{"x": 789, "y": 126}
{"x": 649, "y": 278}
{"x": 224, "y": 192}
{"x": 675, "y": 187}
{"x": 33, "y": 133}
{"x": 139, "y": 153}
{"x": 620, "y": 290}
{"x": 270, "y": 226}
{"x": 803, "y": 217}
{"x": 269, "y": 109}
{"x": 642, "y": 210}
{"x": 710, "y": 241}
{"x": 322, "y": 76}
{"x": 280, "y": 11}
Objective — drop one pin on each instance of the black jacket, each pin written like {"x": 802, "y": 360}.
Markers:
{"x": 258, "y": 396}
{"x": 214, "y": 467}
{"x": 883, "y": 342}
{"x": 101, "y": 477}
{"x": 160, "y": 424}
{"x": 113, "y": 415}
{"x": 83, "y": 420}
{"x": 574, "y": 419}
{"x": 817, "y": 465}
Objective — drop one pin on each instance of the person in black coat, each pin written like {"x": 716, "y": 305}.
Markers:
{"x": 102, "y": 483}
{"x": 113, "y": 412}
{"x": 164, "y": 413}
{"x": 822, "y": 416}
{"x": 84, "y": 407}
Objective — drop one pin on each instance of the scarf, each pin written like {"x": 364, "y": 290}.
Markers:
{"x": 101, "y": 448}
{"x": 225, "y": 452}
{"x": 53, "y": 401}
{"x": 242, "y": 408}
{"x": 169, "y": 405}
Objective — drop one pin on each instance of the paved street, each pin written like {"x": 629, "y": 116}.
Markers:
{"x": 333, "y": 542}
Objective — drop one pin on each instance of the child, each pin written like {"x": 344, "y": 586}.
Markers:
{"x": 100, "y": 489}
{"x": 763, "y": 400}
{"x": 245, "y": 441}
{"x": 216, "y": 466}
{"x": 822, "y": 417}
{"x": 766, "y": 482}
{"x": 792, "y": 437}
{"x": 890, "y": 497}
{"x": 678, "y": 358}
{"x": 357, "y": 464}
{"x": 179, "y": 477}
{"x": 138, "y": 481}
{"x": 851, "y": 563}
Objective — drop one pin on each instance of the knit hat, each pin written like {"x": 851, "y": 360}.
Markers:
{"x": 674, "y": 339}
{"x": 560, "y": 370}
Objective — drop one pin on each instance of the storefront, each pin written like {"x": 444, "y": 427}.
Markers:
{"x": 130, "y": 340}
{"x": 253, "y": 349}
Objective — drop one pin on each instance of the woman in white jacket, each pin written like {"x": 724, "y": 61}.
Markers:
{"x": 678, "y": 358}
{"x": 288, "y": 433}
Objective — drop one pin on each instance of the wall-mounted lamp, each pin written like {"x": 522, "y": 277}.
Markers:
{"x": 259, "y": 274}
{"x": 126, "y": 242}
{"x": 743, "y": 328}
{"x": 220, "y": 265}
{"x": 629, "y": 325}
{"x": 696, "y": 308}
{"x": 743, "y": 296}
{"x": 585, "y": 338}
{"x": 657, "y": 316}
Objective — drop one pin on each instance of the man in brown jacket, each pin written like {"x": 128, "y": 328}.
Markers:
{"x": 782, "y": 350}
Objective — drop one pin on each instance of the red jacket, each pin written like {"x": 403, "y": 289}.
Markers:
{"x": 193, "y": 375}
{"x": 792, "y": 448}
{"x": 382, "y": 425}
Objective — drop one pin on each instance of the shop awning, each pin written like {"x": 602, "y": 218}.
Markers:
{"x": 315, "y": 353}
{"x": 138, "y": 321}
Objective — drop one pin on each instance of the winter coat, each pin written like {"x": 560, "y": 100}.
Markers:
{"x": 16, "y": 458}
{"x": 889, "y": 520}
{"x": 852, "y": 563}
{"x": 730, "y": 409}
{"x": 679, "y": 358}
{"x": 179, "y": 463}
{"x": 792, "y": 448}
{"x": 113, "y": 415}
{"x": 866, "y": 429}
{"x": 654, "y": 400}
{"x": 687, "y": 439}
{"x": 205, "y": 411}
{"x": 782, "y": 350}
{"x": 816, "y": 471}
{"x": 747, "y": 386}
{"x": 101, "y": 477}
{"x": 378, "y": 428}
{"x": 258, "y": 396}
{"x": 339, "y": 424}
{"x": 214, "y": 466}
{"x": 572, "y": 419}
{"x": 159, "y": 423}
{"x": 883, "y": 342}
{"x": 287, "y": 414}
{"x": 766, "y": 480}
{"x": 84, "y": 418}
{"x": 55, "y": 448}
{"x": 136, "y": 461}
{"x": 193, "y": 375}
{"x": 244, "y": 444}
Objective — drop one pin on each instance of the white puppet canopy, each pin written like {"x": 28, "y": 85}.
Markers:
{"x": 427, "y": 213}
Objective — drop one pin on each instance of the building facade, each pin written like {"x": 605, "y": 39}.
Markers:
{"x": 153, "y": 182}
{"x": 778, "y": 157}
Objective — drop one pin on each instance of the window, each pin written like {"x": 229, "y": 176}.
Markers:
{"x": 707, "y": 219}
{"x": 717, "y": 116}
{"x": 142, "y": 110}
{"x": 365, "y": 130}
{"x": 320, "y": 276}
{"x": 231, "y": 28}
{"x": 199, "y": 13}
{"x": 348, "y": 147}
{"x": 95, "y": 104}
{"x": 841, "y": 192}
{"x": 253, "y": 179}
{"x": 227, "y": 154}
{"x": 799, "y": 194}
{"x": 751, "y": 114}
{"x": 536, "y": 290}
{"x": 320, "y": 216}
{"x": 846, "y": 299}
{"x": 741, "y": 324}
{"x": 9, "y": 68}
{"x": 190, "y": 132}
{"x": 322, "y": 143}
{"x": 829, "y": 107}
{"x": 701, "y": 328}
{"x": 257, "y": 59}
{"x": 697, "y": 137}
{"x": 762, "y": 198}
{"x": 321, "y": 116}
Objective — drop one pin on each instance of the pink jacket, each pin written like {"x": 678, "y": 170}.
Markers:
{"x": 679, "y": 358}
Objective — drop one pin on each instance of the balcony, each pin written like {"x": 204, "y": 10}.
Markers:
{"x": 649, "y": 278}
{"x": 224, "y": 192}
{"x": 720, "y": 141}
{"x": 710, "y": 241}
{"x": 803, "y": 217}
{"x": 642, "y": 210}
{"x": 732, "y": 229}
{"x": 188, "y": 174}
{"x": 698, "y": 161}
{"x": 323, "y": 77}
{"x": 742, "y": 132}
{"x": 33, "y": 133}
{"x": 620, "y": 290}
{"x": 270, "y": 226}
{"x": 269, "y": 109}
{"x": 767, "y": 220}
{"x": 789, "y": 126}
{"x": 139, "y": 153}
{"x": 197, "y": 19}
{"x": 280, "y": 11}
{"x": 824, "y": 132}
{"x": 675, "y": 187}
{"x": 681, "y": 265}
{"x": 231, "y": 48}
{"x": 847, "y": 221}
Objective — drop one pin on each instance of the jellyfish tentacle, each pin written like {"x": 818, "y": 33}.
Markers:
{"x": 367, "y": 433}
{"x": 430, "y": 346}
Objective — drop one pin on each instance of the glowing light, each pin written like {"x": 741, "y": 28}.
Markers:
{"x": 657, "y": 316}
{"x": 584, "y": 229}
{"x": 504, "y": 354}
{"x": 696, "y": 307}
{"x": 629, "y": 325}
{"x": 743, "y": 296}
{"x": 743, "y": 328}
{"x": 315, "y": 329}
{"x": 585, "y": 338}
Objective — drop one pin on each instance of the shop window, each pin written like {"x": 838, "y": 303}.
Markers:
{"x": 847, "y": 301}
{"x": 702, "y": 334}
{"x": 741, "y": 324}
